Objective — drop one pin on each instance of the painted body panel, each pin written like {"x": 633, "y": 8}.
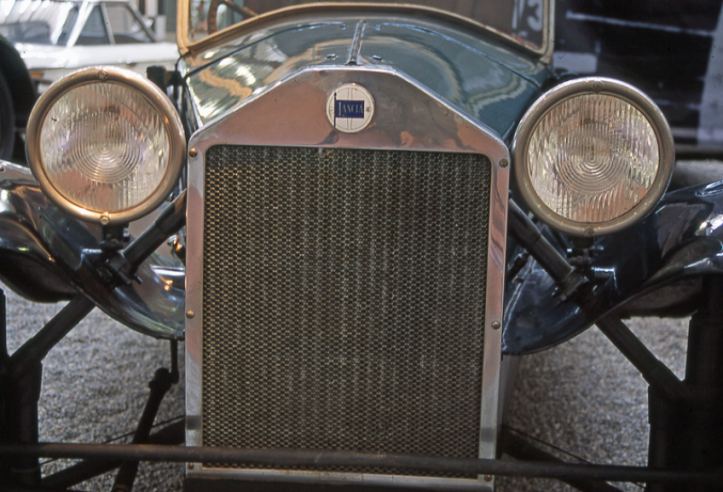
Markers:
{"x": 664, "y": 256}
{"x": 488, "y": 81}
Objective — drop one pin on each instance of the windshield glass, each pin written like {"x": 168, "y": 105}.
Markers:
{"x": 36, "y": 22}
{"x": 521, "y": 19}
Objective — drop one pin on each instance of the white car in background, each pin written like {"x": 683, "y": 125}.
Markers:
{"x": 56, "y": 37}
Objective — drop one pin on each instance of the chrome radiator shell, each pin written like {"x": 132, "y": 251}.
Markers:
{"x": 408, "y": 119}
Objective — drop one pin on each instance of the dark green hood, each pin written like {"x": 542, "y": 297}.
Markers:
{"x": 484, "y": 78}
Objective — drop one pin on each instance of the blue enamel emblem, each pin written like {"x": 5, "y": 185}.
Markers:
{"x": 349, "y": 109}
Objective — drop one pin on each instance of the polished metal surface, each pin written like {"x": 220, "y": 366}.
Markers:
{"x": 487, "y": 81}
{"x": 577, "y": 87}
{"x": 408, "y": 118}
{"x": 44, "y": 256}
{"x": 152, "y": 94}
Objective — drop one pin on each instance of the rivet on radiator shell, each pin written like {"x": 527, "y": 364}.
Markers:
{"x": 190, "y": 314}
{"x": 488, "y": 478}
{"x": 504, "y": 163}
{"x": 496, "y": 325}
{"x": 193, "y": 152}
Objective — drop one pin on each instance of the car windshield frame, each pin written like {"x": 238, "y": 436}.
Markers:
{"x": 188, "y": 43}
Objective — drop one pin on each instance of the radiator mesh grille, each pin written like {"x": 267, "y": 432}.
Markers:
{"x": 344, "y": 299}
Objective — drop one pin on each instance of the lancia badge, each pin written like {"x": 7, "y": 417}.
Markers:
{"x": 350, "y": 108}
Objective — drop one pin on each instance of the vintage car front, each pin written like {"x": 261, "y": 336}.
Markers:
{"x": 347, "y": 188}
{"x": 356, "y": 182}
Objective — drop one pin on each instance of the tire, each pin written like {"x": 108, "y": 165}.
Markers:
{"x": 7, "y": 121}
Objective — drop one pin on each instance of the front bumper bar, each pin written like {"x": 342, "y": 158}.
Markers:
{"x": 289, "y": 458}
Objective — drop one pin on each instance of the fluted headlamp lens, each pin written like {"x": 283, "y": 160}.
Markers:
{"x": 593, "y": 158}
{"x": 105, "y": 147}
{"x": 106, "y": 144}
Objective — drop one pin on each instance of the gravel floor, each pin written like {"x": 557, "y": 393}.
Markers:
{"x": 95, "y": 383}
{"x": 582, "y": 396}
{"x": 586, "y": 398}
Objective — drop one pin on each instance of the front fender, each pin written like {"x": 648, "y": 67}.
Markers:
{"x": 652, "y": 268}
{"x": 43, "y": 258}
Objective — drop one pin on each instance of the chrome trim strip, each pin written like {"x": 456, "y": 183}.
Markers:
{"x": 548, "y": 33}
{"x": 490, "y": 413}
{"x": 429, "y": 125}
{"x": 153, "y": 94}
{"x": 303, "y": 476}
{"x": 577, "y": 87}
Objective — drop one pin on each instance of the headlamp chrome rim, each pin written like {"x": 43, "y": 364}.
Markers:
{"x": 160, "y": 102}
{"x": 594, "y": 86}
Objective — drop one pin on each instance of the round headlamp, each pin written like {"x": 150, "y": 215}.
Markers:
{"x": 593, "y": 156}
{"x": 105, "y": 144}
